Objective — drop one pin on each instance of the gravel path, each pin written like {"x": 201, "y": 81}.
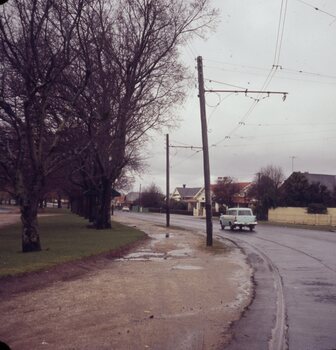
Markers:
{"x": 168, "y": 293}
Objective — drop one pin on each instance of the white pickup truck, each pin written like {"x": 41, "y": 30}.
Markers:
{"x": 238, "y": 217}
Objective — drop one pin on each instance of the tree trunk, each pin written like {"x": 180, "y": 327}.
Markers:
{"x": 30, "y": 235}
{"x": 92, "y": 203}
{"x": 59, "y": 202}
{"x": 103, "y": 215}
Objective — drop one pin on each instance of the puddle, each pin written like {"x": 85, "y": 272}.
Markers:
{"x": 162, "y": 236}
{"x": 144, "y": 255}
{"x": 180, "y": 252}
{"x": 187, "y": 267}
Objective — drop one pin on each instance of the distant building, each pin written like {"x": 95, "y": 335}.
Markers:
{"x": 126, "y": 200}
{"x": 189, "y": 195}
{"x": 131, "y": 197}
{"x": 328, "y": 181}
{"x": 241, "y": 198}
{"x": 194, "y": 197}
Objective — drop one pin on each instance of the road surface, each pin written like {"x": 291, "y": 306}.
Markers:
{"x": 295, "y": 275}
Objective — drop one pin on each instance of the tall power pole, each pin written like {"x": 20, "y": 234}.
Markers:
{"x": 293, "y": 157}
{"x": 167, "y": 182}
{"x": 206, "y": 163}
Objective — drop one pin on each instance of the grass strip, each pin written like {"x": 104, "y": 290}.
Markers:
{"x": 64, "y": 237}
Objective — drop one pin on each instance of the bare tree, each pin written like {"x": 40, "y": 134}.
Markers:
{"x": 36, "y": 48}
{"x": 151, "y": 197}
{"x": 224, "y": 190}
{"x": 266, "y": 188}
{"x": 131, "y": 49}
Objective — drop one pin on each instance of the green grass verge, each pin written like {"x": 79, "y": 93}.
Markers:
{"x": 64, "y": 237}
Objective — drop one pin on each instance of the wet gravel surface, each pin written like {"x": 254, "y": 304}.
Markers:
{"x": 168, "y": 293}
{"x": 295, "y": 297}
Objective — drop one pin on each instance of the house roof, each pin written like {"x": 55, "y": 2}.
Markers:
{"x": 132, "y": 196}
{"x": 241, "y": 185}
{"x": 188, "y": 191}
{"x": 327, "y": 180}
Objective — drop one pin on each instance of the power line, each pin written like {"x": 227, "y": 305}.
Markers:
{"x": 274, "y": 143}
{"x": 281, "y": 69}
{"x": 287, "y": 134}
{"x": 235, "y": 65}
{"x": 300, "y": 71}
{"x": 288, "y": 124}
{"x": 215, "y": 107}
{"x": 271, "y": 74}
{"x": 317, "y": 9}
{"x": 184, "y": 160}
{"x": 285, "y": 71}
{"x": 222, "y": 83}
{"x": 280, "y": 32}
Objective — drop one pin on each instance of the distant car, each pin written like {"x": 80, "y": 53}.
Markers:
{"x": 125, "y": 209}
{"x": 238, "y": 217}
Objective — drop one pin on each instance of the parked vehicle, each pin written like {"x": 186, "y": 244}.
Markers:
{"x": 238, "y": 217}
{"x": 125, "y": 209}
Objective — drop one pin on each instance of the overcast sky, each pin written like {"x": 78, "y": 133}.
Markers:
{"x": 243, "y": 137}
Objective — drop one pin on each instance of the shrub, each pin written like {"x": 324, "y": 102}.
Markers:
{"x": 317, "y": 208}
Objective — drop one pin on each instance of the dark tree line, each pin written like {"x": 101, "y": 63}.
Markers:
{"x": 81, "y": 83}
{"x": 271, "y": 190}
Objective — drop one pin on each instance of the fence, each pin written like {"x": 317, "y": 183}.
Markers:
{"x": 291, "y": 215}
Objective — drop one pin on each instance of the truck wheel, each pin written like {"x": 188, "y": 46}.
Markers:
{"x": 251, "y": 228}
{"x": 222, "y": 226}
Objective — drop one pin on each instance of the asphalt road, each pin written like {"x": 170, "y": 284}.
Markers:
{"x": 295, "y": 275}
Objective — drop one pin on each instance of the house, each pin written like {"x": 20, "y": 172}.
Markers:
{"x": 126, "y": 200}
{"x": 195, "y": 197}
{"x": 328, "y": 181}
{"x": 190, "y": 195}
{"x": 241, "y": 198}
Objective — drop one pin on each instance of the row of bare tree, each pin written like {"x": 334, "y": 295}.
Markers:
{"x": 81, "y": 83}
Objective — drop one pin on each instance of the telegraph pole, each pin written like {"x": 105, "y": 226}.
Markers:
{"x": 167, "y": 182}
{"x": 201, "y": 95}
{"x": 293, "y": 157}
{"x": 168, "y": 174}
{"x": 206, "y": 163}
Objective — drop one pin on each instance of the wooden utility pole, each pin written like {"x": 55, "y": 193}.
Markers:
{"x": 167, "y": 183}
{"x": 293, "y": 157}
{"x": 168, "y": 174}
{"x": 206, "y": 163}
{"x": 201, "y": 95}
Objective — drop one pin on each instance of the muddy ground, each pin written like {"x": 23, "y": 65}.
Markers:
{"x": 167, "y": 293}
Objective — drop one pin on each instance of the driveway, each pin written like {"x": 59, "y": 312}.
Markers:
{"x": 170, "y": 293}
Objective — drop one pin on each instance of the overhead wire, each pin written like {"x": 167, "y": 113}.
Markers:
{"x": 317, "y": 8}
{"x": 282, "y": 69}
{"x": 222, "y": 83}
{"x": 215, "y": 107}
{"x": 289, "y": 124}
{"x": 281, "y": 29}
{"x": 331, "y": 81}
{"x": 277, "y": 142}
{"x": 184, "y": 159}
{"x": 270, "y": 76}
